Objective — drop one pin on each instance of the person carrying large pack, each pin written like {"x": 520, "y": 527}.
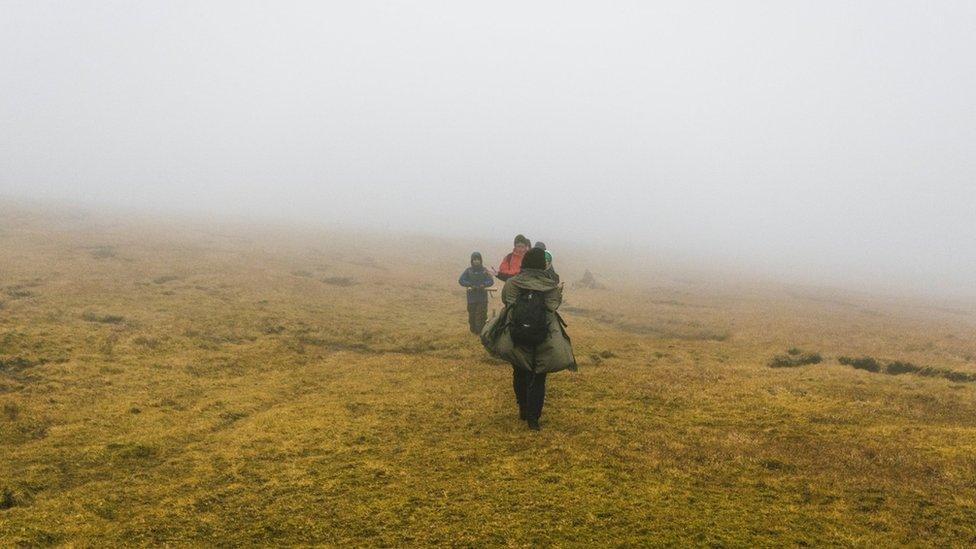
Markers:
{"x": 529, "y": 333}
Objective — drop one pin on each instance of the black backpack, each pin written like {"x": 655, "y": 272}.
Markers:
{"x": 530, "y": 325}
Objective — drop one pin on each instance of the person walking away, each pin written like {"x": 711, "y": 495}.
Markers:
{"x": 512, "y": 263}
{"x": 530, "y": 334}
{"x": 476, "y": 278}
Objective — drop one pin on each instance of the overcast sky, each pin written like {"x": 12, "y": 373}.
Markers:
{"x": 836, "y": 139}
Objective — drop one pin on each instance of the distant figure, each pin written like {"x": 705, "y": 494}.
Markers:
{"x": 513, "y": 262}
{"x": 476, "y": 278}
{"x": 530, "y": 334}
{"x": 589, "y": 281}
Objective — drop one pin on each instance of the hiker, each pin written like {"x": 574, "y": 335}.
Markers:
{"x": 549, "y": 270}
{"x": 476, "y": 278}
{"x": 530, "y": 334}
{"x": 513, "y": 262}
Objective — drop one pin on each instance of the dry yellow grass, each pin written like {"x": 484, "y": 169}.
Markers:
{"x": 186, "y": 384}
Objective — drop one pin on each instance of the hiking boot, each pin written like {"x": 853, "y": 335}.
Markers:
{"x": 534, "y": 424}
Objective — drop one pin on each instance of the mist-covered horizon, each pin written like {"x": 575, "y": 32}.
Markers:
{"x": 820, "y": 141}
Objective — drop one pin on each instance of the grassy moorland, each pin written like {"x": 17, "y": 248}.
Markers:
{"x": 189, "y": 384}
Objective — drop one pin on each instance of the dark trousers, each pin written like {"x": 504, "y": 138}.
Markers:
{"x": 477, "y": 315}
{"x": 530, "y": 392}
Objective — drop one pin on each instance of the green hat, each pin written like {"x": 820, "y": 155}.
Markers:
{"x": 548, "y": 256}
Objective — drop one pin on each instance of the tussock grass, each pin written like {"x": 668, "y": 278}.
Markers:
{"x": 794, "y": 357}
{"x": 17, "y": 363}
{"x": 670, "y": 328}
{"x": 862, "y": 363}
{"x": 7, "y": 499}
{"x": 11, "y": 410}
{"x": 341, "y": 281}
{"x": 254, "y": 407}
{"x": 898, "y": 367}
{"x": 103, "y": 252}
{"x": 18, "y": 292}
{"x": 102, "y": 318}
{"x": 130, "y": 452}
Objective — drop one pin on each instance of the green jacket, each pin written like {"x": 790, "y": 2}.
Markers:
{"x": 554, "y": 354}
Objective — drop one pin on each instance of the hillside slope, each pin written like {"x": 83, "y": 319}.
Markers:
{"x": 188, "y": 383}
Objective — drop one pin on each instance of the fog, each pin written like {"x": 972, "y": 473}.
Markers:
{"x": 829, "y": 142}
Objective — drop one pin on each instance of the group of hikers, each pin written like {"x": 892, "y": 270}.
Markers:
{"x": 528, "y": 332}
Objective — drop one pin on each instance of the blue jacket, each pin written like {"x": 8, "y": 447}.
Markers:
{"x": 476, "y": 280}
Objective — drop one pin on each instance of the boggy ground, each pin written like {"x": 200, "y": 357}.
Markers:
{"x": 189, "y": 384}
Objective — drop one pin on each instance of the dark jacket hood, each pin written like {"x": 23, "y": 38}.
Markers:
{"x": 477, "y": 255}
{"x": 534, "y": 279}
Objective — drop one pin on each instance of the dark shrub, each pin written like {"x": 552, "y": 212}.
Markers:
{"x": 7, "y": 499}
{"x": 793, "y": 358}
{"x": 898, "y": 367}
{"x": 952, "y": 375}
{"x": 863, "y": 363}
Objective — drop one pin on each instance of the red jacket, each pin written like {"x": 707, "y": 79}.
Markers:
{"x": 510, "y": 266}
